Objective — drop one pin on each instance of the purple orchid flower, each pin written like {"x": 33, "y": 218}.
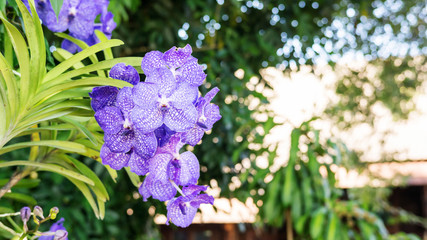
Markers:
{"x": 181, "y": 210}
{"x": 59, "y": 231}
{"x": 179, "y": 61}
{"x": 169, "y": 104}
{"x": 208, "y": 114}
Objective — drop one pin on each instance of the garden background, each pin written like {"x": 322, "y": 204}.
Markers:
{"x": 376, "y": 51}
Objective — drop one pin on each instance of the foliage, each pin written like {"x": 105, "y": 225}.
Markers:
{"x": 305, "y": 192}
{"x": 49, "y": 110}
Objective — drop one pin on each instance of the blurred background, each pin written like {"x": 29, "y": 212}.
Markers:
{"x": 324, "y": 121}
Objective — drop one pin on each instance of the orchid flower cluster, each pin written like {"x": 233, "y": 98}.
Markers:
{"x": 56, "y": 231}
{"x": 78, "y": 17}
{"x": 148, "y": 124}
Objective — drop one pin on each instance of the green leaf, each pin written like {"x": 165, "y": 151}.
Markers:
{"x": 23, "y": 183}
{"x": 62, "y": 55}
{"x": 83, "y": 45}
{"x": 12, "y": 88}
{"x": 289, "y": 184}
{"x": 21, "y": 50}
{"x": 133, "y": 177}
{"x": 300, "y": 224}
{"x": 86, "y": 82}
{"x": 82, "y": 129}
{"x": 107, "y": 64}
{"x": 36, "y": 43}
{"x": 2, "y": 5}
{"x": 99, "y": 187}
{"x": 4, "y": 116}
{"x": 51, "y": 168}
{"x": 62, "y": 67}
{"x": 87, "y": 194}
{"x": 108, "y": 54}
{"x": 333, "y": 227}
{"x": 317, "y": 222}
{"x": 21, "y": 198}
{"x": 56, "y": 5}
{"x": 64, "y": 145}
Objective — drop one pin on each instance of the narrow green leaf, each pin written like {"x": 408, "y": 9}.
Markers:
{"x": 59, "y": 127}
{"x": 12, "y": 88}
{"x": 64, "y": 145}
{"x": 333, "y": 226}
{"x": 69, "y": 94}
{"x": 82, "y": 45}
{"x": 62, "y": 67}
{"x": 101, "y": 206}
{"x": 81, "y": 128}
{"x": 2, "y": 5}
{"x": 317, "y": 222}
{"x": 21, "y": 50}
{"x": 46, "y": 108}
{"x": 40, "y": 118}
{"x": 56, "y": 5}
{"x": 51, "y": 168}
{"x": 62, "y": 55}
{"x": 87, "y": 194}
{"x": 23, "y": 198}
{"x": 107, "y": 64}
{"x": 4, "y": 116}
{"x": 99, "y": 186}
{"x": 108, "y": 54}
{"x": 133, "y": 177}
{"x": 37, "y": 48}
{"x": 86, "y": 82}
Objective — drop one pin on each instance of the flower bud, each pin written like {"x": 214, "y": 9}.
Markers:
{"x": 38, "y": 212}
{"x": 53, "y": 212}
{"x": 25, "y": 214}
{"x": 60, "y": 235}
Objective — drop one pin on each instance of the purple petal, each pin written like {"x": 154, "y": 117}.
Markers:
{"x": 143, "y": 190}
{"x": 81, "y": 28}
{"x": 164, "y": 78}
{"x": 181, "y": 120}
{"x": 193, "y": 189}
{"x": 211, "y": 94}
{"x": 184, "y": 95}
{"x": 163, "y": 134}
{"x": 120, "y": 142}
{"x": 185, "y": 170}
{"x": 191, "y": 72}
{"x": 158, "y": 166}
{"x": 138, "y": 164}
{"x": 202, "y": 199}
{"x": 145, "y": 94}
{"x": 145, "y": 145}
{"x": 175, "y": 57}
{"x": 173, "y": 145}
{"x": 48, "y": 16}
{"x": 146, "y": 120}
{"x": 212, "y": 115}
{"x": 160, "y": 190}
{"x": 194, "y": 135}
{"x": 179, "y": 213}
{"x": 110, "y": 119}
{"x": 103, "y": 96}
{"x": 114, "y": 160}
{"x": 124, "y": 101}
{"x": 108, "y": 24}
{"x": 69, "y": 46}
{"x": 125, "y": 72}
{"x": 151, "y": 61}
